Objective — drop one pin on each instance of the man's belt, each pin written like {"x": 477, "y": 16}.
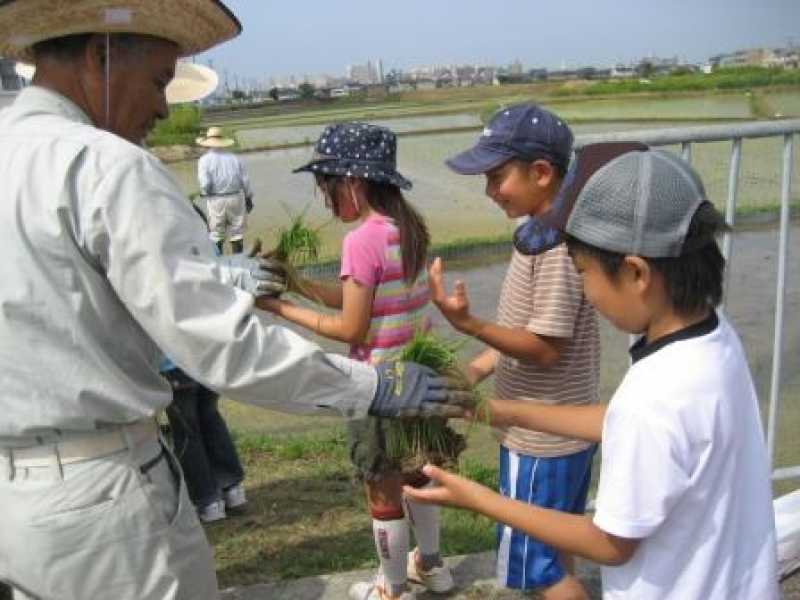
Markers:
{"x": 81, "y": 447}
{"x": 237, "y": 192}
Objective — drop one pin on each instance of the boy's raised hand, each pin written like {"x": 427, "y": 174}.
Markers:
{"x": 450, "y": 490}
{"x": 455, "y": 308}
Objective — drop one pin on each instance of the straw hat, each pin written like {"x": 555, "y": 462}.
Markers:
{"x": 191, "y": 82}
{"x": 195, "y": 25}
{"x": 214, "y": 139}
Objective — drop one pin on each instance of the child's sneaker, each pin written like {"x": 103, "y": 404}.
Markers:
{"x": 212, "y": 512}
{"x": 234, "y": 497}
{"x": 438, "y": 579}
{"x": 365, "y": 590}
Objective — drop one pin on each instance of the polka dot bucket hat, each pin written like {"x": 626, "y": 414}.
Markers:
{"x": 358, "y": 150}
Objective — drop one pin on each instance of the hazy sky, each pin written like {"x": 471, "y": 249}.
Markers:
{"x": 324, "y": 36}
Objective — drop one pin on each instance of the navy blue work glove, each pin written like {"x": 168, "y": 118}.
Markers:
{"x": 408, "y": 390}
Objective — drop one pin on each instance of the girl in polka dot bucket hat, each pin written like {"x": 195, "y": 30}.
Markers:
{"x": 382, "y": 299}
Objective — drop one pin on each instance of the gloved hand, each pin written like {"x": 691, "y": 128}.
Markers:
{"x": 257, "y": 275}
{"x": 407, "y": 389}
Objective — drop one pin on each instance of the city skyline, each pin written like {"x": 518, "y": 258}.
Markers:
{"x": 283, "y": 40}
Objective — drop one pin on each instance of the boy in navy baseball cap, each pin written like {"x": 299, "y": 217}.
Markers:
{"x": 544, "y": 346}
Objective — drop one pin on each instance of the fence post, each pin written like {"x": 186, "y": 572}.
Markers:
{"x": 730, "y": 210}
{"x": 780, "y": 296}
{"x": 686, "y": 151}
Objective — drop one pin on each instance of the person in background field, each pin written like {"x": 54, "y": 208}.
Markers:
{"x": 226, "y": 187}
{"x": 383, "y": 300}
{"x": 203, "y": 444}
{"x": 544, "y": 347}
{"x": 684, "y": 505}
{"x": 108, "y": 269}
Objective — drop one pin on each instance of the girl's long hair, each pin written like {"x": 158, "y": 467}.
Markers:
{"x": 388, "y": 200}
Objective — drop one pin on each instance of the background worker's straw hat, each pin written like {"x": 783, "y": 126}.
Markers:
{"x": 195, "y": 25}
{"x": 191, "y": 82}
{"x": 214, "y": 139}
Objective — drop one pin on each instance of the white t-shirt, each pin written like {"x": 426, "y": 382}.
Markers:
{"x": 685, "y": 470}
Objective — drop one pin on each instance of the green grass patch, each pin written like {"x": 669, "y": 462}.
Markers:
{"x": 722, "y": 79}
{"x": 182, "y": 127}
{"x": 307, "y": 517}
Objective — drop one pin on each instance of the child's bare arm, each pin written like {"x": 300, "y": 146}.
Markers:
{"x": 350, "y": 325}
{"x": 516, "y": 342}
{"x": 328, "y": 294}
{"x": 579, "y": 422}
{"x": 575, "y": 534}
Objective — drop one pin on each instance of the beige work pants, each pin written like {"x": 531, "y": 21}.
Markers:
{"x": 103, "y": 528}
{"x": 227, "y": 217}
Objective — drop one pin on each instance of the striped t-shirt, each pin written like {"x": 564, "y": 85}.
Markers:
{"x": 544, "y": 295}
{"x": 371, "y": 255}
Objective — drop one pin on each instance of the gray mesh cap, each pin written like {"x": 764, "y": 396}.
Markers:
{"x": 640, "y": 202}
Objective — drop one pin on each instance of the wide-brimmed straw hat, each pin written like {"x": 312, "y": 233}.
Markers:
{"x": 194, "y": 25}
{"x": 191, "y": 82}
{"x": 214, "y": 139}
{"x": 360, "y": 150}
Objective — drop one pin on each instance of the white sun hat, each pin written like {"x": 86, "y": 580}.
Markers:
{"x": 191, "y": 83}
{"x": 194, "y": 25}
{"x": 214, "y": 139}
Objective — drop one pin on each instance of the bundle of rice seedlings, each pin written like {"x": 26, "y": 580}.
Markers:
{"x": 298, "y": 244}
{"x": 412, "y": 443}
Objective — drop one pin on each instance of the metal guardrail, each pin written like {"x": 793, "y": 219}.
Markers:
{"x": 686, "y": 136}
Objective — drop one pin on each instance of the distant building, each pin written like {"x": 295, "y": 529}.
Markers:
{"x": 538, "y": 74}
{"x": 366, "y": 74}
{"x": 622, "y": 72}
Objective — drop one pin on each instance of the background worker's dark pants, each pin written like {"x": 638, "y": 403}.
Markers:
{"x": 202, "y": 441}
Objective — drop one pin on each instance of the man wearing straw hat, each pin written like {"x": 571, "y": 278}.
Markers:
{"x": 104, "y": 266}
{"x": 226, "y": 187}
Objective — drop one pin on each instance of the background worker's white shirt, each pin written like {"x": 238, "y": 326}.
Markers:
{"x": 685, "y": 469}
{"x": 103, "y": 261}
{"x": 220, "y": 173}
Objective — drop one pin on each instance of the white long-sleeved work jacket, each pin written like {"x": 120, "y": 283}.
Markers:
{"x": 103, "y": 264}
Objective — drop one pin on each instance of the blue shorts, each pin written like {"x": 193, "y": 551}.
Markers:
{"x": 561, "y": 483}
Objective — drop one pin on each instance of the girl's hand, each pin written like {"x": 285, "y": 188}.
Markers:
{"x": 451, "y": 490}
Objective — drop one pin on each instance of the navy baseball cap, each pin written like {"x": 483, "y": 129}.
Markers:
{"x": 523, "y": 131}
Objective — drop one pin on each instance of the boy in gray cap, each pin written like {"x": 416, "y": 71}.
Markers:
{"x": 544, "y": 346}
{"x": 684, "y": 507}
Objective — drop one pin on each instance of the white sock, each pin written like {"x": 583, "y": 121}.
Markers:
{"x": 391, "y": 542}
{"x": 425, "y": 520}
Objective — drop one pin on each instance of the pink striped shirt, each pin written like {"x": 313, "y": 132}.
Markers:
{"x": 371, "y": 255}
